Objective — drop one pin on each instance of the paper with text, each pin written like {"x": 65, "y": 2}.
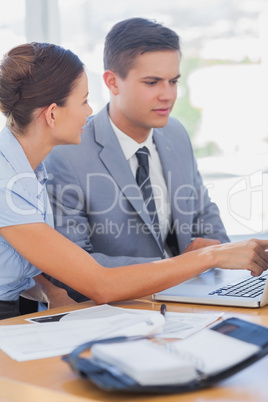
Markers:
{"x": 41, "y": 340}
{"x": 177, "y": 325}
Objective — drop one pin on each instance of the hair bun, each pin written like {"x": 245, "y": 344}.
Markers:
{"x": 15, "y": 68}
{"x": 33, "y": 76}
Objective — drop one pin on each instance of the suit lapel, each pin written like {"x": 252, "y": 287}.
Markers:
{"x": 172, "y": 161}
{"x": 115, "y": 162}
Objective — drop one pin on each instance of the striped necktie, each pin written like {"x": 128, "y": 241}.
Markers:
{"x": 144, "y": 183}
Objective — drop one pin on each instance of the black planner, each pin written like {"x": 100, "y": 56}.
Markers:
{"x": 251, "y": 338}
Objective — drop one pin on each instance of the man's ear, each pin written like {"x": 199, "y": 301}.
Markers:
{"x": 50, "y": 114}
{"x": 111, "y": 81}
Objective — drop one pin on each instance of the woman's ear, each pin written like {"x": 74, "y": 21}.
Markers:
{"x": 111, "y": 81}
{"x": 50, "y": 114}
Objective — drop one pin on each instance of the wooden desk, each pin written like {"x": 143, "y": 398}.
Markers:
{"x": 53, "y": 380}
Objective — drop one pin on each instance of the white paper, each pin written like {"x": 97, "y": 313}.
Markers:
{"x": 177, "y": 325}
{"x": 59, "y": 334}
{"x": 146, "y": 362}
{"x": 211, "y": 351}
{"x": 41, "y": 340}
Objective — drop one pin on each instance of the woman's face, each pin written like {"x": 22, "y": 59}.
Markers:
{"x": 72, "y": 117}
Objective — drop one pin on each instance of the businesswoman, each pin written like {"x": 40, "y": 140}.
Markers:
{"x": 43, "y": 94}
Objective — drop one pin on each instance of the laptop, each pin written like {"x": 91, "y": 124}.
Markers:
{"x": 220, "y": 287}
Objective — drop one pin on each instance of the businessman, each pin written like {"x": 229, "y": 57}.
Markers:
{"x": 131, "y": 190}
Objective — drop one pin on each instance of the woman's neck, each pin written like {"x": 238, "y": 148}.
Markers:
{"x": 34, "y": 145}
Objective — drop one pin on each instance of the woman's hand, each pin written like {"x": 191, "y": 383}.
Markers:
{"x": 249, "y": 254}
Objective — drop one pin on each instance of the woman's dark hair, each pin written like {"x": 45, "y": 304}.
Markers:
{"x": 132, "y": 37}
{"x": 34, "y": 75}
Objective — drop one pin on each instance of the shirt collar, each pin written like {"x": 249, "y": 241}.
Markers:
{"x": 130, "y": 146}
{"x": 14, "y": 154}
{"x": 41, "y": 173}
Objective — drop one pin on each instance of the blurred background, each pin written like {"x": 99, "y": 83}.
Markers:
{"x": 222, "y": 94}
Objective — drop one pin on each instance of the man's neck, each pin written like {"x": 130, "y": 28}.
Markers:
{"x": 137, "y": 133}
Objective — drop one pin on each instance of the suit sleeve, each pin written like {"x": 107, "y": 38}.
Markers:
{"x": 193, "y": 211}
{"x": 207, "y": 222}
{"x": 69, "y": 204}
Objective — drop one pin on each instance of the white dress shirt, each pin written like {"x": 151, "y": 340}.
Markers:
{"x": 162, "y": 201}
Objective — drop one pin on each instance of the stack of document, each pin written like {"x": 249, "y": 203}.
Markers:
{"x": 37, "y": 341}
{"x": 177, "y": 325}
{"x": 58, "y": 334}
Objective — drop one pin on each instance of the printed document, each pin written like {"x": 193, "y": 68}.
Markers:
{"x": 177, "y": 325}
{"x": 58, "y": 334}
{"x": 41, "y": 340}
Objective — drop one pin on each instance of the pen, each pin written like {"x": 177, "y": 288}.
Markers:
{"x": 163, "y": 309}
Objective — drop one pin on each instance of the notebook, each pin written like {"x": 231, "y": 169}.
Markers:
{"x": 181, "y": 361}
{"x": 119, "y": 364}
{"x": 220, "y": 287}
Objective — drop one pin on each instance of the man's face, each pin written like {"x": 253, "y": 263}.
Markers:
{"x": 146, "y": 96}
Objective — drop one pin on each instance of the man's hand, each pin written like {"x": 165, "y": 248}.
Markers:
{"x": 60, "y": 298}
{"x": 46, "y": 292}
{"x": 200, "y": 242}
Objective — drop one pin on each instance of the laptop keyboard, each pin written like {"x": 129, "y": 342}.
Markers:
{"x": 250, "y": 287}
